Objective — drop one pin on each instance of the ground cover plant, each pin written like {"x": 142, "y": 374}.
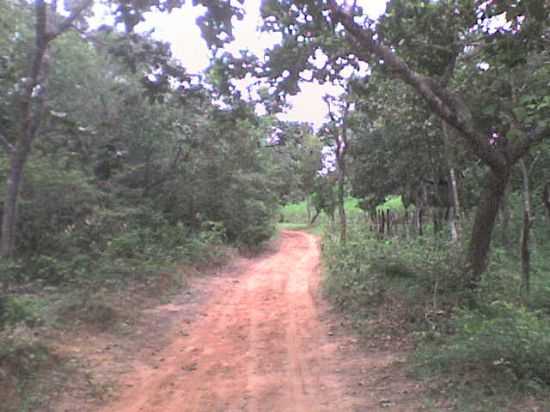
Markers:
{"x": 129, "y": 184}
{"x": 480, "y": 351}
{"x": 428, "y": 179}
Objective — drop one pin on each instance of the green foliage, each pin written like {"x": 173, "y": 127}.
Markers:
{"x": 366, "y": 272}
{"x": 393, "y": 203}
{"x": 54, "y": 202}
{"x": 117, "y": 184}
{"x": 294, "y": 213}
{"x": 479, "y": 351}
{"x": 23, "y": 356}
{"x": 500, "y": 339}
{"x": 10, "y": 269}
{"x": 19, "y": 309}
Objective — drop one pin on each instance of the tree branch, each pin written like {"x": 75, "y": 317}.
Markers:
{"x": 67, "y": 23}
{"x": 329, "y": 109}
{"x": 446, "y": 105}
{"x": 168, "y": 173}
{"x": 532, "y": 138}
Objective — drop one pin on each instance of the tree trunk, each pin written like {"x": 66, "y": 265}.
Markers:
{"x": 31, "y": 109}
{"x": 435, "y": 220}
{"x": 308, "y": 207}
{"x": 406, "y": 223}
{"x": 454, "y": 211}
{"x": 9, "y": 215}
{"x": 525, "y": 231}
{"x": 312, "y": 221}
{"x": 341, "y": 140}
{"x": 506, "y": 216}
{"x": 453, "y": 224}
{"x": 418, "y": 220}
{"x": 484, "y": 222}
{"x": 341, "y": 206}
{"x": 546, "y": 201}
{"x": 454, "y": 191}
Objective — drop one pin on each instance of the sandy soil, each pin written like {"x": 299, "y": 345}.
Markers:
{"x": 263, "y": 340}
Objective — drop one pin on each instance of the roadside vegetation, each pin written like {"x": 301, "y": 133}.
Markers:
{"x": 130, "y": 188}
{"x": 401, "y": 278}
{"x": 446, "y": 151}
{"x": 482, "y": 350}
{"x": 123, "y": 173}
{"x": 479, "y": 350}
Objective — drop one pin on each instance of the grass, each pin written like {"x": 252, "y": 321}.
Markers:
{"x": 394, "y": 203}
{"x": 493, "y": 355}
{"x": 78, "y": 296}
{"x": 297, "y": 212}
{"x": 351, "y": 205}
{"x": 294, "y": 216}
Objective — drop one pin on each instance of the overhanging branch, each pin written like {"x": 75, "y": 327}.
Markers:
{"x": 68, "y": 22}
{"x": 531, "y": 139}
{"x": 443, "y": 103}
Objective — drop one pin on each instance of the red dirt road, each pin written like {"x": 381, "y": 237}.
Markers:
{"x": 259, "y": 345}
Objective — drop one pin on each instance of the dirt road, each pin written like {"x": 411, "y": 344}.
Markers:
{"x": 260, "y": 345}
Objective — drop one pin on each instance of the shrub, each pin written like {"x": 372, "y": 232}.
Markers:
{"x": 365, "y": 270}
{"x": 500, "y": 338}
{"x": 54, "y": 201}
{"x": 14, "y": 310}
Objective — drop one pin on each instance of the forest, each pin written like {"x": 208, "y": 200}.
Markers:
{"x": 428, "y": 184}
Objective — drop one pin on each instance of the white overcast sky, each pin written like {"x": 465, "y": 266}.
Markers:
{"x": 180, "y": 30}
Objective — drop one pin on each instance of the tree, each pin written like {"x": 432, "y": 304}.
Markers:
{"x": 323, "y": 197}
{"x": 398, "y": 149}
{"x": 48, "y": 25}
{"x": 346, "y": 36}
{"x": 337, "y": 131}
{"x": 31, "y": 108}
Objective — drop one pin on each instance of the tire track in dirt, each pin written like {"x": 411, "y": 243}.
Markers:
{"x": 260, "y": 346}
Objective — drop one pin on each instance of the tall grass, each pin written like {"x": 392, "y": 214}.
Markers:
{"x": 484, "y": 350}
{"x": 297, "y": 212}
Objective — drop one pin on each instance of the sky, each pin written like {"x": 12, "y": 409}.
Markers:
{"x": 180, "y": 30}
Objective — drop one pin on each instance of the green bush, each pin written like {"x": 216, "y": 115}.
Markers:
{"x": 12, "y": 270}
{"x": 54, "y": 202}
{"x": 14, "y": 310}
{"x": 364, "y": 270}
{"x": 253, "y": 224}
{"x": 499, "y": 338}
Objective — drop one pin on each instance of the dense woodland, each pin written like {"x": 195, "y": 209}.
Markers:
{"x": 430, "y": 178}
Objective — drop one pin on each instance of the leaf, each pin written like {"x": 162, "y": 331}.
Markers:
{"x": 514, "y": 134}
{"x": 527, "y": 99}
{"x": 489, "y": 110}
{"x": 520, "y": 113}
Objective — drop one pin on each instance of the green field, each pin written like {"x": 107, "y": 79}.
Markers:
{"x": 394, "y": 203}
{"x": 296, "y": 213}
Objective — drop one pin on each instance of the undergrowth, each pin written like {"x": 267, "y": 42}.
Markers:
{"x": 479, "y": 351}
{"x": 96, "y": 288}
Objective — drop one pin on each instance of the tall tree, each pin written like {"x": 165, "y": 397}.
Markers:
{"x": 31, "y": 107}
{"x": 346, "y": 36}
{"x": 337, "y": 131}
{"x": 48, "y": 25}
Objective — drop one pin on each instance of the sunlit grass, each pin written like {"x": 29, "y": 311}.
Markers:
{"x": 394, "y": 203}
